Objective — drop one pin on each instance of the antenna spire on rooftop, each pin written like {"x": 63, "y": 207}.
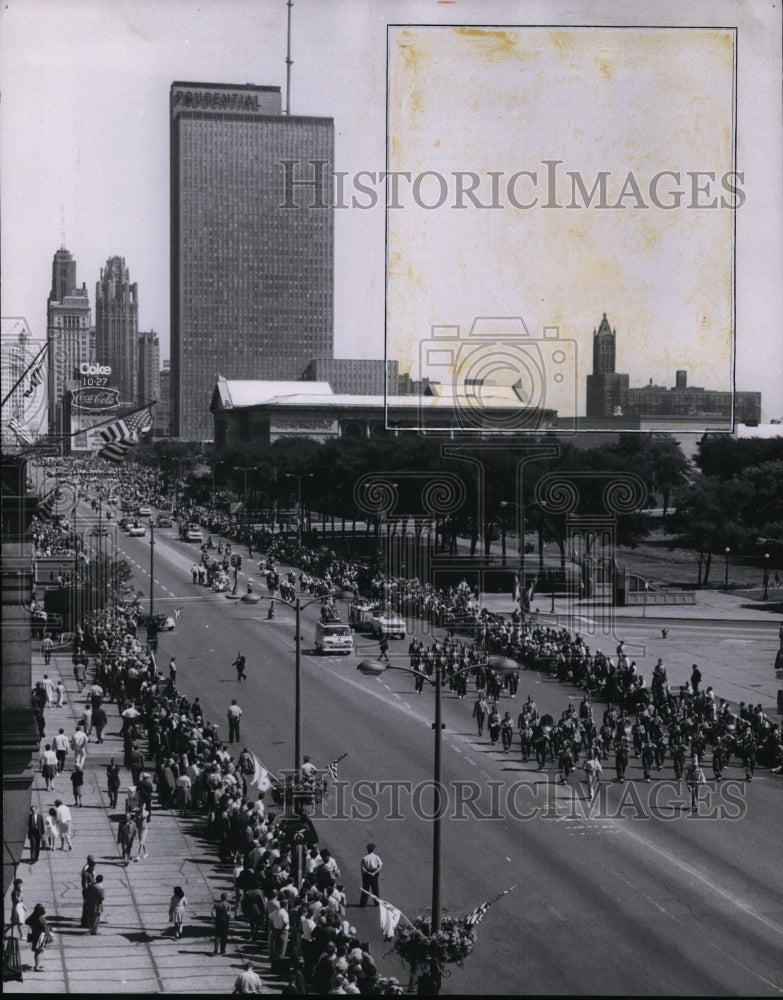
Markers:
{"x": 289, "y": 62}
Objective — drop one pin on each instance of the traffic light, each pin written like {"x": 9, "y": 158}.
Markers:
{"x": 239, "y": 562}
{"x": 233, "y": 559}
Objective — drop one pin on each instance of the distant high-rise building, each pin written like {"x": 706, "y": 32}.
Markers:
{"x": 607, "y": 390}
{"x": 683, "y": 400}
{"x": 117, "y": 327}
{"x": 70, "y": 334}
{"x": 252, "y": 243}
{"x": 162, "y": 412}
{"x": 149, "y": 366}
{"x": 355, "y": 376}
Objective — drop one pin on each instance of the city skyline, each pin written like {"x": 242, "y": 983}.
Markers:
{"x": 109, "y": 135}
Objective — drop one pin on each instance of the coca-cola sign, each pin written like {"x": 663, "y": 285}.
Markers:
{"x": 95, "y": 400}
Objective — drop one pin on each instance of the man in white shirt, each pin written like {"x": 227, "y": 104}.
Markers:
{"x": 247, "y": 981}
{"x": 79, "y": 742}
{"x": 234, "y": 716}
{"x": 371, "y": 869}
{"x": 63, "y": 818}
{"x": 60, "y": 746}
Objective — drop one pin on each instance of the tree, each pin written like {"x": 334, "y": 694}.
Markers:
{"x": 709, "y": 517}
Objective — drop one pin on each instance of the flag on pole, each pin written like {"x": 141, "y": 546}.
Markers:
{"x": 475, "y": 917}
{"x": 36, "y": 378}
{"x": 21, "y": 432}
{"x": 390, "y": 916}
{"x": 123, "y": 434}
{"x": 332, "y": 768}
{"x": 261, "y": 777}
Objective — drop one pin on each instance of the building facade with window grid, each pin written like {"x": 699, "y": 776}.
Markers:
{"x": 251, "y": 280}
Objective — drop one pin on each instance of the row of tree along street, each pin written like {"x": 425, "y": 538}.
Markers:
{"x": 729, "y": 497}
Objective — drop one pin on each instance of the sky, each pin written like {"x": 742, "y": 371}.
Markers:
{"x": 84, "y": 162}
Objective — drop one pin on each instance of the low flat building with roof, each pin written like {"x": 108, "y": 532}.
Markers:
{"x": 268, "y": 411}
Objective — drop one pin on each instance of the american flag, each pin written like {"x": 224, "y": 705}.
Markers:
{"x": 475, "y": 917}
{"x": 332, "y": 768}
{"x": 123, "y": 434}
{"x": 35, "y": 379}
{"x": 21, "y": 432}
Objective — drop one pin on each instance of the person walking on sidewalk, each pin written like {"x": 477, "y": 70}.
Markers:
{"x": 18, "y": 914}
{"x": 40, "y": 935}
{"x": 141, "y": 820}
{"x": 371, "y": 870}
{"x": 60, "y": 744}
{"x": 113, "y": 782}
{"x": 221, "y": 914}
{"x": 79, "y": 675}
{"x": 46, "y": 648}
{"x": 99, "y": 720}
{"x": 79, "y": 742}
{"x": 36, "y": 830}
{"x": 177, "y": 905}
{"x": 60, "y": 694}
{"x": 94, "y": 898}
{"x": 49, "y": 766}
{"x": 88, "y": 876}
{"x": 63, "y": 817}
{"x": 77, "y": 780}
{"x": 126, "y": 836}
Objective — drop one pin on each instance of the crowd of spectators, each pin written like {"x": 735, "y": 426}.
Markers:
{"x": 288, "y": 887}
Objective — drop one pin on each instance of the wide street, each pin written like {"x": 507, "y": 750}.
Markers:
{"x": 636, "y": 897}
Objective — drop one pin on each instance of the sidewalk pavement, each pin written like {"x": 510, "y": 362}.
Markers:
{"x": 709, "y": 605}
{"x": 135, "y": 951}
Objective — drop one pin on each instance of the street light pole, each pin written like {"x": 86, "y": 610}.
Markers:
{"x": 521, "y": 553}
{"x": 152, "y": 566}
{"x": 766, "y": 576}
{"x": 436, "y": 844}
{"x": 727, "y": 553}
{"x": 298, "y": 691}
{"x": 293, "y": 475}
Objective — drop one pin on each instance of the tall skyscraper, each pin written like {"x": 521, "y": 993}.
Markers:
{"x": 607, "y": 390}
{"x": 117, "y": 327}
{"x": 252, "y": 243}
{"x": 149, "y": 365}
{"x": 162, "y": 412}
{"x": 70, "y": 334}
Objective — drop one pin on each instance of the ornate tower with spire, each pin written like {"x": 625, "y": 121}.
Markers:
{"x": 607, "y": 390}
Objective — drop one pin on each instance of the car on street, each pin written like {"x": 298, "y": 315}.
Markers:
{"x": 193, "y": 533}
{"x": 388, "y": 624}
{"x": 136, "y": 530}
{"x": 100, "y": 529}
{"x": 164, "y": 521}
{"x": 144, "y": 511}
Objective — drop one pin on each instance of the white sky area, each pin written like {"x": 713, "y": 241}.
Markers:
{"x": 84, "y": 161}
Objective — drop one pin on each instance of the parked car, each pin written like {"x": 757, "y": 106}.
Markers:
{"x": 137, "y": 530}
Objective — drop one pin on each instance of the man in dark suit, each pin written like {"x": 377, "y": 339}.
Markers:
{"x": 136, "y": 762}
{"x": 35, "y": 832}
{"x": 99, "y": 721}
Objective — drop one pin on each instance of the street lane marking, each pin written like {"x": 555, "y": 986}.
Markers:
{"x": 672, "y": 859}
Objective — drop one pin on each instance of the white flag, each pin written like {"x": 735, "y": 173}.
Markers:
{"x": 260, "y": 778}
{"x": 390, "y": 917}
